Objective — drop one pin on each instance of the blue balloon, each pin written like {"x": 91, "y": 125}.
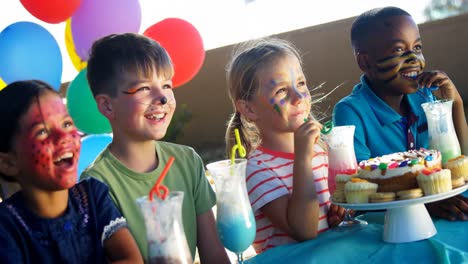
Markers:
{"x": 91, "y": 146}
{"x": 29, "y": 51}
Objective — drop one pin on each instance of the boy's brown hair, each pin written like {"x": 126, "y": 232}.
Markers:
{"x": 110, "y": 58}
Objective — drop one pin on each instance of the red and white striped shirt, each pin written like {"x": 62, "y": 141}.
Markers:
{"x": 270, "y": 176}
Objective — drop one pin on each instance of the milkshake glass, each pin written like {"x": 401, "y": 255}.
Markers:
{"x": 442, "y": 135}
{"x": 234, "y": 216}
{"x": 164, "y": 229}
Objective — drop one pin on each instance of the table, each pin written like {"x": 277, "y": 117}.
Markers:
{"x": 449, "y": 245}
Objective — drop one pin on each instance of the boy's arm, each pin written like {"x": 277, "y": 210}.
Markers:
{"x": 447, "y": 90}
{"x": 209, "y": 246}
{"x": 459, "y": 121}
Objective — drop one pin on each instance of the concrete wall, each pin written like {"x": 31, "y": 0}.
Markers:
{"x": 327, "y": 58}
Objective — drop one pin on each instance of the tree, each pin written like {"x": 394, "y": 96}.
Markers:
{"x": 439, "y": 9}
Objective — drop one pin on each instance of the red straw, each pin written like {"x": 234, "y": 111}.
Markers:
{"x": 158, "y": 186}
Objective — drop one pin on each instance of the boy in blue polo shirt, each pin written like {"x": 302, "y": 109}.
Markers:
{"x": 385, "y": 106}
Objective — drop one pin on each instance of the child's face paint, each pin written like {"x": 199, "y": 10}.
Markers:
{"x": 48, "y": 145}
{"x": 144, "y": 107}
{"x": 283, "y": 93}
{"x": 395, "y": 55}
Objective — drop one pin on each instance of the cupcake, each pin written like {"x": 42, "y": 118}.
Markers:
{"x": 341, "y": 180}
{"x": 435, "y": 181}
{"x": 457, "y": 182}
{"x": 459, "y": 167}
{"x": 339, "y": 194}
{"x": 358, "y": 190}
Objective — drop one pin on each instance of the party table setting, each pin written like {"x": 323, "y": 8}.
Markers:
{"x": 366, "y": 245}
{"x": 399, "y": 230}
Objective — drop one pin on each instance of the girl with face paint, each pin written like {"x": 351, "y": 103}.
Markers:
{"x": 287, "y": 165}
{"x": 385, "y": 106}
{"x": 52, "y": 219}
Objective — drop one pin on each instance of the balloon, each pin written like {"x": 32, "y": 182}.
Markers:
{"x": 98, "y": 18}
{"x": 51, "y": 11}
{"x": 76, "y": 60}
{"x": 83, "y": 108}
{"x": 91, "y": 146}
{"x": 29, "y": 51}
{"x": 2, "y": 84}
{"x": 183, "y": 43}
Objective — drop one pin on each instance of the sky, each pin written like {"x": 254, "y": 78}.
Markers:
{"x": 225, "y": 22}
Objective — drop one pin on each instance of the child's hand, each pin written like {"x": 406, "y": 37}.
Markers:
{"x": 335, "y": 215}
{"x": 454, "y": 208}
{"x": 447, "y": 89}
{"x": 305, "y": 138}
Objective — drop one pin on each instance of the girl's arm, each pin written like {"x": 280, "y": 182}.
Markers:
{"x": 210, "y": 248}
{"x": 122, "y": 248}
{"x": 298, "y": 214}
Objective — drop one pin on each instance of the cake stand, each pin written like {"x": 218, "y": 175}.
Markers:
{"x": 407, "y": 220}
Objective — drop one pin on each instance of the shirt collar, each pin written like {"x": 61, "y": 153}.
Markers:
{"x": 384, "y": 113}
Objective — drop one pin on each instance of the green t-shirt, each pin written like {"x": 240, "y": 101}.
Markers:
{"x": 186, "y": 174}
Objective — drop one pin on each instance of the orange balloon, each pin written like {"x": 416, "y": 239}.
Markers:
{"x": 76, "y": 60}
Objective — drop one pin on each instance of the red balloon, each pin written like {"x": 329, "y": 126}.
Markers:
{"x": 184, "y": 45}
{"x": 51, "y": 11}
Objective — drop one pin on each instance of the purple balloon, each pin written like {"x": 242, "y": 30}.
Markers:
{"x": 98, "y": 18}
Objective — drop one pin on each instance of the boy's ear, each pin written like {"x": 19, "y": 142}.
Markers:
{"x": 246, "y": 109}
{"x": 104, "y": 105}
{"x": 8, "y": 164}
{"x": 363, "y": 61}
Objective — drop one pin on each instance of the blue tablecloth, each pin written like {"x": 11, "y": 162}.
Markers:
{"x": 449, "y": 245}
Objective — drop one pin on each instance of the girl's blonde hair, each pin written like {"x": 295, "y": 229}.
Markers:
{"x": 248, "y": 58}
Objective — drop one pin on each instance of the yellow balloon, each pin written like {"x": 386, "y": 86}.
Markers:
{"x": 76, "y": 60}
{"x": 2, "y": 84}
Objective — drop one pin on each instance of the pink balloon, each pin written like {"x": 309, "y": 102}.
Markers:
{"x": 98, "y": 18}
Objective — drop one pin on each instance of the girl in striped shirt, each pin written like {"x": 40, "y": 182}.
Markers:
{"x": 287, "y": 165}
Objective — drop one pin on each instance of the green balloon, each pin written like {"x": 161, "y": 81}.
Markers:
{"x": 83, "y": 108}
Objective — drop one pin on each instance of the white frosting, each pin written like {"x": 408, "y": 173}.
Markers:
{"x": 399, "y": 163}
{"x": 377, "y": 173}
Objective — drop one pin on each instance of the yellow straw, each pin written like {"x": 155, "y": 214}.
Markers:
{"x": 238, "y": 146}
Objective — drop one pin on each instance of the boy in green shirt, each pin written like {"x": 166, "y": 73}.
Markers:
{"x": 130, "y": 77}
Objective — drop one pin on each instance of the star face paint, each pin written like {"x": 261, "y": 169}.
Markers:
{"x": 48, "y": 145}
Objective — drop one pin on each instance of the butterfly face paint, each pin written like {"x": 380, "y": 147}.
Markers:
{"x": 48, "y": 145}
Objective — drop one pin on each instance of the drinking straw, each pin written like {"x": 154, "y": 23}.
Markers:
{"x": 158, "y": 187}
{"x": 238, "y": 146}
{"x": 327, "y": 127}
{"x": 426, "y": 92}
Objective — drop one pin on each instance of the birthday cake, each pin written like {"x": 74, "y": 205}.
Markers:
{"x": 398, "y": 171}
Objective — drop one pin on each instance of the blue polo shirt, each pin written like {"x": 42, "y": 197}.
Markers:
{"x": 380, "y": 130}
